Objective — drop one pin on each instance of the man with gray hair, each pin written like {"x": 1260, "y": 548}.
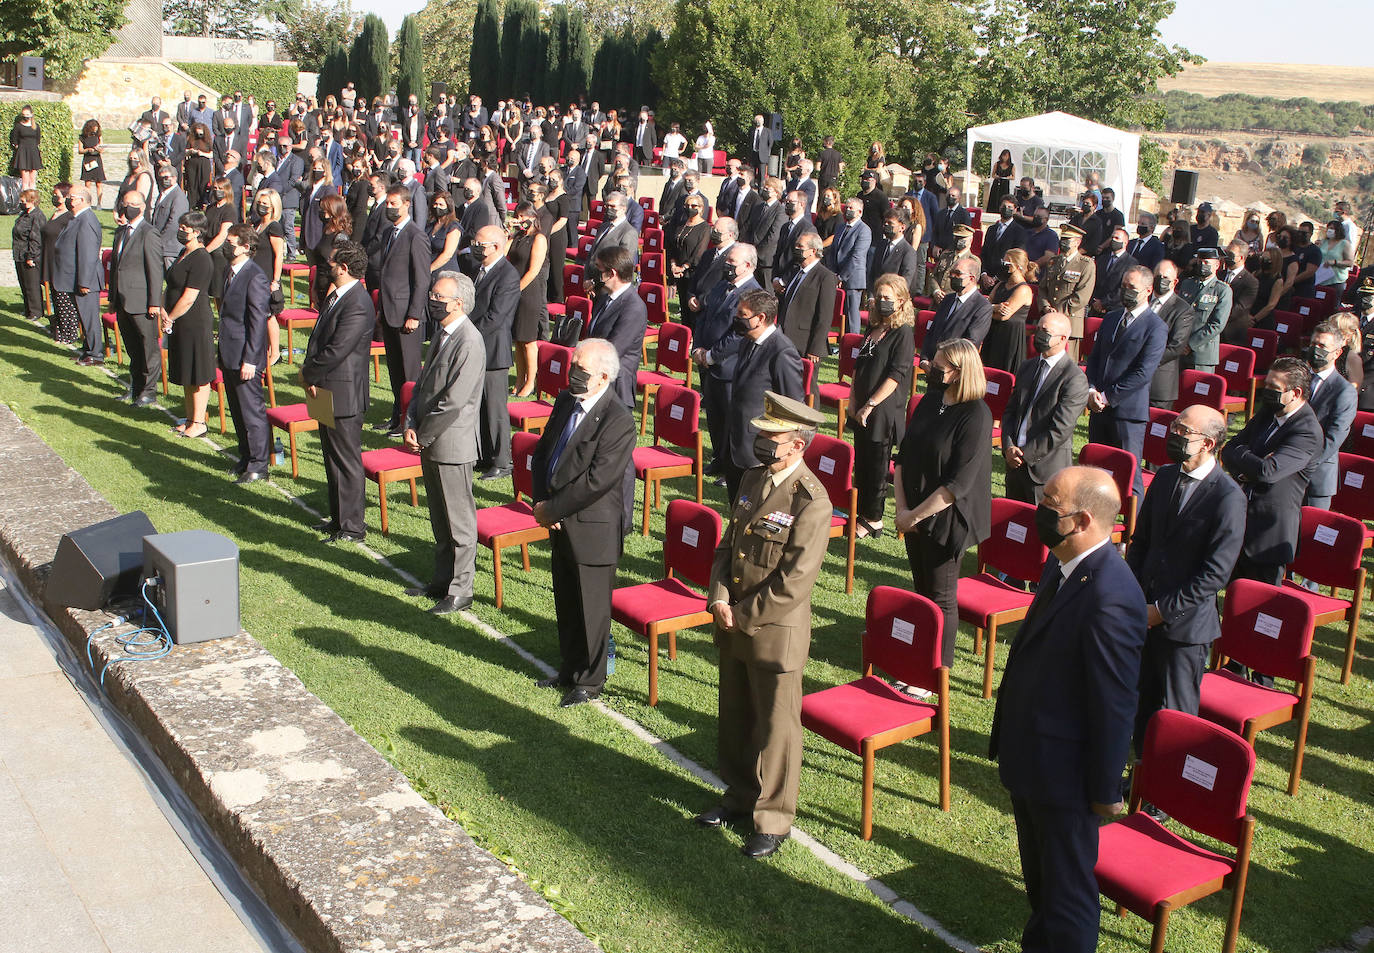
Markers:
{"x": 577, "y": 470}
{"x": 442, "y": 426}
{"x": 724, "y": 234}
{"x": 616, "y": 230}
{"x": 77, "y": 274}
{"x": 847, "y": 257}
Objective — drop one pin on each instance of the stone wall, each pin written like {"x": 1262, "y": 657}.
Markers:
{"x": 117, "y": 90}
{"x": 212, "y": 49}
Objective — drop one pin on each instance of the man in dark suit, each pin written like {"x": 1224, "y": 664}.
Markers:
{"x": 894, "y": 255}
{"x": 963, "y": 313}
{"x": 760, "y": 146}
{"x": 1061, "y": 731}
{"x": 441, "y": 426}
{"x": 724, "y": 234}
{"x": 419, "y": 204}
{"x": 377, "y": 119}
{"x": 729, "y": 189}
{"x": 616, "y": 230}
{"x": 529, "y": 154}
{"x": 1177, "y": 315}
{"x": 674, "y": 188}
{"x": 77, "y": 273}
{"x": 847, "y": 257}
{"x": 404, "y": 297}
{"x": 1333, "y": 401}
{"x": 942, "y": 229}
{"x": 313, "y": 190}
{"x": 766, "y": 361}
{"x": 1272, "y": 458}
{"x": 155, "y": 115}
{"x": 496, "y": 295}
{"x": 765, "y": 225}
{"x": 412, "y": 129}
{"x": 171, "y": 204}
{"x": 243, "y": 318}
{"x": 475, "y": 214}
{"x": 1244, "y": 290}
{"x": 1112, "y": 264}
{"x": 1004, "y": 235}
{"x": 436, "y": 176}
{"x": 1187, "y": 537}
{"x": 717, "y": 342}
{"x": 645, "y": 137}
{"x": 1038, "y": 424}
{"x": 576, "y": 470}
{"x": 796, "y": 224}
{"x": 804, "y": 185}
{"x": 746, "y": 197}
{"x": 289, "y": 171}
{"x": 336, "y": 360}
{"x": 575, "y": 131}
{"x": 136, "y": 276}
{"x": 1145, "y": 248}
{"x": 593, "y": 166}
{"x": 1120, "y": 368}
{"x": 807, "y": 304}
{"x": 575, "y": 180}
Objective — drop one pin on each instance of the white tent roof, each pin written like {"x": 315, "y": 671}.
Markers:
{"x": 1057, "y": 149}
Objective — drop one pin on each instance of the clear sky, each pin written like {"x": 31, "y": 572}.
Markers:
{"x": 1332, "y": 32}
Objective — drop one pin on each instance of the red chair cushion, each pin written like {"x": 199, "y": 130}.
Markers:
{"x": 982, "y": 596}
{"x": 652, "y": 458}
{"x": 847, "y": 714}
{"x": 529, "y": 410}
{"x": 388, "y": 458}
{"x": 286, "y": 414}
{"x": 493, "y": 521}
{"x": 1230, "y": 700}
{"x": 649, "y": 378}
{"x": 832, "y": 394}
{"x": 1321, "y": 604}
{"x": 635, "y": 607}
{"x": 109, "y": 320}
{"x": 1140, "y": 863}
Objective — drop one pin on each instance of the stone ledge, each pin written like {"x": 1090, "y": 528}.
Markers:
{"x": 345, "y": 852}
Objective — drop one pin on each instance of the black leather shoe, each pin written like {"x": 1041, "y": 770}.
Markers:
{"x": 388, "y": 426}
{"x": 553, "y": 681}
{"x": 145, "y": 402}
{"x": 496, "y": 473}
{"x": 449, "y": 605}
{"x": 429, "y": 591}
{"x": 579, "y": 696}
{"x": 713, "y": 469}
{"x": 720, "y": 817}
{"x": 759, "y": 846}
{"x": 250, "y": 477}
{"x": 343, "y": 538}
{"x": 1154, "y": 812}
{"x": 325, "y": 526}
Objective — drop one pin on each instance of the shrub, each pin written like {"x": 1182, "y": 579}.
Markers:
{"x": 59, "y": 138}
{"x": 262, "y": 82}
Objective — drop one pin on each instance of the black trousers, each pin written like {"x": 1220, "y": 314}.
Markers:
{"x": 249, "y": 410}
{"x": 582, "y": 603}
{"x": 734, "y": 476}
{"x": 31, "y": 287}
{"x": 342, "y": 445}
{"x": 1163, "y": 404}
{"x": 143, "y": 341}
{"x": 935, "y": 575}
{"x": 1021, "y": 485}
{"x": 402, "y": 361}
{"x": 871, "y": 459}
{"x": 493, "y": 450}
{"x": 88, "y": 312}
{"x": 1058, "y": 846}
{"x": 1170, "y": 677}
{"x": 453, "y": 520}
{"x": 715, "y": 401}
{"x": 1106, "y": 427}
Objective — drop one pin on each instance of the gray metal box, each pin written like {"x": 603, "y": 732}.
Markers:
{"x": 199, "y": 595}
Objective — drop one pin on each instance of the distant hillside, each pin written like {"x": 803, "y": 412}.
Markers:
{"x": 1279, "y": 80}
{"x": 1241, "y": 112}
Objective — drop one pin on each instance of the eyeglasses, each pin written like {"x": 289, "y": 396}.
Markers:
{"x": 1185, "y": 430}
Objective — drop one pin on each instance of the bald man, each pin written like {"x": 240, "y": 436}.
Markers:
{"x": 1066, "y": 706}
{"x": 1043, "y": 410}
{"x": 496, "y": 295}
{"x": 1186, "y": 542}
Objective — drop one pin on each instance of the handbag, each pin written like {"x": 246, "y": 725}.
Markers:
{"x": 567, "y": 329}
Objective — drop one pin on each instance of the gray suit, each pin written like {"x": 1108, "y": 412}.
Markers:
{"x": 136, "y": 275}
{"x": 621, "y": 234}
{"x": 76, "y": 265}
{"x": 444, "y": 415}
{"x": 171, "y": 205}
{"x": 1333, "y": 401}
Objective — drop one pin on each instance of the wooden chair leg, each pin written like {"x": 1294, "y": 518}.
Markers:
{"x": 653, "y": 666}
{"x": 219, "y": 391}
{"x": 1299, "y": 749}
{"x": 1161, "y": 924}
{"x": 295, "y": 467}
{"x": 164, "y": 371}
{"x": 119, "y": 348}
{"x": 866, "y": 809}
{"x": 496, "y": 569}
{"x": 376, "y": 368}
{"x": 525, "y": 556}
{"x": 644, "y": 414}
{"x": 290, "y": 349}
{"x": 644, "y": 524}
{"x": 381, "y": 500}
{"x": 988, "y": 659}
{"x": 841, "y": 411}
{"x": 852, "y": 534}
{"x": 1349, "y": 665}
{"x": 414, "y": 493}
{"x": 672, "y": 644}
{"x": 271, "y": 386}
{"x": 977, "y": 641}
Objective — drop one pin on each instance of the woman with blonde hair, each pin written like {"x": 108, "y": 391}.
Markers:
{"x": 944, "y": 479}
{"x": 1005, "y": 346}
{"x": 270, "y": 256}
{"x": 881, "y": 381}
{"x": 828, "y": 215}
{"x": 1249, "y": 231}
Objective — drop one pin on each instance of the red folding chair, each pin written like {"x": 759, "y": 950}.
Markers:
{"x": 651, "y": 239}
{"x": 1092, "y": 327}
{"x": 832, "y": 462}
{"x": 1199, "y": 775}
{"x": 667, "y": 605}
{"x": 1199, "y": 387}
{"x": 924, "y": 321}
{"x": 985, "y": 601}
{"x": 677, "y": 422}
{"x": 1330, "y": 549}
{"x": 1313, "y": 309}
{"x": 1267, "y": 629}
{"x": 584, "y": 244}
{"x": 1000, "y": 384}
{"x": 1237, "y": 368}
{"x": 513, "y": 523}
{"x": 550, "y": 379}
{"x": 655, "y": 298}
{"x": 1265, "y": 344}
{"x": 393, "y": 464}
{"x": 294, "y": 419}
{"x": 596, "y": 208}
{"x": 1155, "y": 450}
{"x": 646, "y": 203}
{"x": 109, "y": 327}
{"x": 1121, "y": 464}
{"x": 1355, "y": 491}
{"x": 574, "y": 281}
{"x": 837, "y": 394}
{"x": 1288, "y": 326}
{"x": 582, "y": 308}
{"x": 837, "y": 329}
{"x": 1361, "y": 438}
{"x": 651, "y": 268}
{"x": 808, "y": 377}
{"x": 901, "y": 638}
{"x": 672, "y": 365}
{"x": 651, "y": 219}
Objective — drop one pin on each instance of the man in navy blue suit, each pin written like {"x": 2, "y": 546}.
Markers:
{"x": 1333, "y": 401}
{"x": 1066, "y": 706}
{"x": 243, "y": 321}
{"x": 717, "y": 341}
{"x": 1120, "y": 368}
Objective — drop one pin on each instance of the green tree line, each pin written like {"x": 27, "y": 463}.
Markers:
{"x": 1240, "y": 112}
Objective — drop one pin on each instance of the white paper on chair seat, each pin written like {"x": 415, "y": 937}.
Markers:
{"x": 1232, "y": 367}
{"x": 1257, "y": 342}
{"x": 827, "y": 465}
{"x": 1016, "y": 532}
{"x": 690, "y": 537}
{"x": 1159, "y": 430}
{"x": 675, "y": 411}
{"x": 994, "y": 387}
{"x": 1268, "y": 625}
{"x": 672, "y": 345}
{"x": 529, "y": 462}
{"x": 1305, "y": 310}
{"x": 1202, "y": 387}
{"x": 903, "y": 631}
{"x": 555, "y": 366}
{"x": 1326, "y": 535}
{"x": 853, "y": 353}
{"x": 1355, "y": 479}
{"x": 1281, "y": 328}
{"x": 1368, "y": 430}
{"x": 1199, "y": 772}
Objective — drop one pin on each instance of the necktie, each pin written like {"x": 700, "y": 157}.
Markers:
{"x": 792, "y": 285}
{"x": 1273, "y": 429}
{"x": 1316, "y": 383}
{"x": 1181, "y": 489}
{"x": 1040, "y": 372}
{"x": 330, "y": 301}
{"x": 597, "y": 311}
{"x": 391, "y": 240}
{"x": 1120, "y": 328}
{"x": 565, "y": 436}
{"x": 1045, "y": 595}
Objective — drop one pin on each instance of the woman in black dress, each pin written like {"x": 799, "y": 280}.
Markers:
{"x": 1003, "y": 171}
{"x": 1005, "y": 345}
{"x": 189, "y": 324}
{"x": 26, "y": 140}
{"x": 222, "y": 213}
{"x": 829, "y": 215}
{"x": 270, "y": 256}
{"x": 529, "y": 253}
{"x": 338, "y": 225}
{"x": 559, "y": 206}
{"x": 877, "y": 398}
{"x": 687, "y": 246}
{"x": 66, "y": 323}
{"x": 444, "y": 233}
{"x": 139, "y": 179}
{"x": 26, "y": 246}
{"x": 197, "y": 169}
{"x": 92, "y": 163}
{"x": 944, "y": 479}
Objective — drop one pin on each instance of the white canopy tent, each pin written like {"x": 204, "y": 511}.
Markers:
{"x": 1058, "y": 150}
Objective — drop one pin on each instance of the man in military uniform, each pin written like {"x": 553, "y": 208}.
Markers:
{"x": 1211, "y": 300}
{"x": 937, "y": 281}
{"x": 760, "y": 595}
{"x": 1067, "y": 284}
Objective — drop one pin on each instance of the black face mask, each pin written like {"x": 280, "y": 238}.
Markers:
{"x": 889, "y": 232}
{"x": 798, "y": 256}
{"x": 1130, "y": 298}
{"x": 728, "y": 271}
{"x": 1316, "y": 356}
{"x": 957, "y": 283}
{"x": 1143, "y": 231}
{"x": 1271, "y": 400}
{"x": 1047, "y": 525}
{"x": 578, "y": 380}
{"x": 469, "y": 194}
{"x": 1176, "y": 446}
{"x": 129, "y": 212}
{"x": 961, "y": 243}
{"x": 438, "y": 311}
{"x": 1107, "y": 205}
{"x": 790, "y": 208}
{"x": 1065, "y": 245}
{"x": 1366, "y": 301}
{"x": 744, "y": 325}
{"x": 765, "y": 449}
{"x": 1117, "y": 244}
{"x": 1042, "y": 341}
{"x": 1163, "y": 285}
{"x": 715, "y": 237}
{"x": 393, "y": 215}
{"x": 887, "y": 308}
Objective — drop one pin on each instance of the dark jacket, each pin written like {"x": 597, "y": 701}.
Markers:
{"x": 772, "y": 365}
{"x": 623, "y": 322}
{"x": 1274, "y": 474}
{"x": 1054, "y": 413}
{"x": 26, "y": 237}
{"x": 954, "y": 319}
{"x": 997, "y": 241}
{"x": 496, "y": 296}
{"x": 1121, "y": 367}
{"x": 76, "y": 255}
{"x": 895, "y": 258}
{"x": 1177, "y": 315}
{"x": 404, "y": 275}
{"x": 337, "y": 356}
{"x": 136, "y": 270}
{"x": 243, "y": 318}
{"x": 1334, "y": 404}
{"x": 805, "y": 315}
{"x": 715, "y": 330}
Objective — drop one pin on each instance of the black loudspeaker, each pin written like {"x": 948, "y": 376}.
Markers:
{"x": 437, "y": 89}
{"x": 1185, "y": 187}
{"x": 31, "y": 70}
{"x": 10, "y": 187}
{"x": 775, "y": 121}
{"x": 99, "y": 563}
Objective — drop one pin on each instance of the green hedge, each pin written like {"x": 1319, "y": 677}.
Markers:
{"x": 276, "y": 83}
{"x": 55, "y": 119}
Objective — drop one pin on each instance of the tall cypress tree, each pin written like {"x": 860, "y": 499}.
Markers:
{"x": 369, "y": 62}
{"x": 333, "y": 72}
{"x": 531, "y": 50}
{"x": 484, "y": 60}
{"x": 513, "y": 71}
{"x": 577, "y": 70}
{"x": 410, "y": 74}
{"x": 556, "y": 56}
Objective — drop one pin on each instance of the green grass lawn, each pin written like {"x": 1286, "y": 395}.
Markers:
{"x": 581, "y": 806}
{"x": 107, "y": 222}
